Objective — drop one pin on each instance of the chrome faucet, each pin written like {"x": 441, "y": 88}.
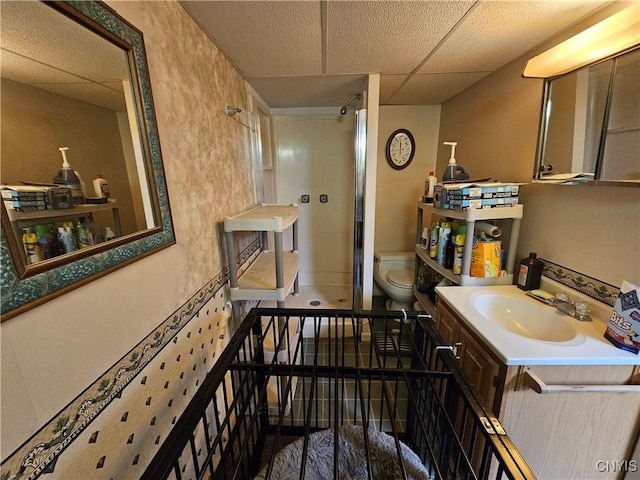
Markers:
{"x": 577, "y": 310}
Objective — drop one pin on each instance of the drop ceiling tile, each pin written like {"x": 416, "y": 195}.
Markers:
{"x": 262, "y": 38}
{"x": 69, "y": 47}
{"x": 428, "y": 89}
{"x": 481, "y": 43}
{"x": 386, "y": 36}
{"x": 311, "y": 91}
{"x": 93, "y": 93}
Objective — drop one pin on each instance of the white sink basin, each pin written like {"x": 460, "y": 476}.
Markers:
{"x": 525, "y": 317}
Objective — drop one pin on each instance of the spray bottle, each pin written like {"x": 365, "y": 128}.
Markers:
{"x": 67, "y": 177}
{"x": 454, "y": 172}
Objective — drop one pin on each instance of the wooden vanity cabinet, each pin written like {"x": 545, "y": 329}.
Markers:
{"x": 485, "y": 372}
{"x": 560, "y": 435}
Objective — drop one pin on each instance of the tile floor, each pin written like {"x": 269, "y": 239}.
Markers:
{"x": 325, "y": 401}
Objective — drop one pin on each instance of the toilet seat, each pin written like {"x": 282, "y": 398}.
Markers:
{"x": 400, "y": 278}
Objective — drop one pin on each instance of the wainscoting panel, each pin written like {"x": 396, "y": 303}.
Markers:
{"x": 113, "y": 429}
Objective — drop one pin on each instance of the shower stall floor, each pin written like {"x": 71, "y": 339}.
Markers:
{"x": 332, "y": 297}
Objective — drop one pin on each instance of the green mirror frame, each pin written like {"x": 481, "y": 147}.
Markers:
{"x": 23, "y": 287}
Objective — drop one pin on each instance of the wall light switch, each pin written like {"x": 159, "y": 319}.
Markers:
{"x": 324, "y": 198}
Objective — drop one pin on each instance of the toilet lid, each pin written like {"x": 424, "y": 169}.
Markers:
{"x": 400, "y": 278}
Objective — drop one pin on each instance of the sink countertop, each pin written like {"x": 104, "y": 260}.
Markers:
{"x": 588, "y": 348}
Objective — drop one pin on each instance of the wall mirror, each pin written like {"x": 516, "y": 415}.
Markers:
{"x": 74, "y": 74}
{"x": 590, "y": 124}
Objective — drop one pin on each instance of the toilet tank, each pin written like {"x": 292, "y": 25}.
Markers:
{"x": 394, "y": 260}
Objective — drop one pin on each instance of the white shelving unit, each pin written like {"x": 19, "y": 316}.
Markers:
{"x": 274, "y": 273}
{"x": 470, "y": 217}
{"x": 20, "y": 220}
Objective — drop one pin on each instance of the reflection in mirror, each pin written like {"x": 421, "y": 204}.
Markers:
{"x": 590, "y": 127}
{"x": 76, "y": 79}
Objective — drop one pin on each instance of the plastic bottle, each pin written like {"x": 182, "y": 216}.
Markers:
{"x": 453, "y": 172}
{"x": 44, "y": 240}
{"x": 433, "y": 241}
{"x": 429, "y": 187}
{"x": 424, "y": 238}
{"x": 96, "y": 231}
{"x": 445, "y": 231}
{"x": 85, "y": 238}
{"x": 66, "y": 239}
{"x": 108, "y": 234}
{"x": 67, "y": 177}
{"x": 530, "y": 272}
{"x": 448, "y": 252}
{"x": 458, "y": 253}
{"x": 31, "y": 246}
{"x": 101, "y": 187}
{"x": 421, "y": 283}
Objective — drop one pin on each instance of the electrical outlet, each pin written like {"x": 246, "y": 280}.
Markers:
{"x": 304, "y": 198}
{"x": 324, "y": 198}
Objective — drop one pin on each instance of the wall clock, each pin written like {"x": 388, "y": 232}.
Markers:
{"x": 400, "y": 149}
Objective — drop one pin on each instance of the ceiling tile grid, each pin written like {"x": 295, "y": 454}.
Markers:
{"x": 387, "y": 36}
{"x": 264, "y": 38}
{"x": 496, "y": 32}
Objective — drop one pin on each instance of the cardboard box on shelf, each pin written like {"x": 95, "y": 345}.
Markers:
{"x": 485, "y": 259}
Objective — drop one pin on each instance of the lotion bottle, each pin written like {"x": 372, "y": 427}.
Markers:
{"x": 68, "y": 178}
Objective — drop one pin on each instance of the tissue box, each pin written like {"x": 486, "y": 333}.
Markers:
{"x": 623, "y": 328}
{"x": 485, "y": 259}
{"x": 472, "y": 203}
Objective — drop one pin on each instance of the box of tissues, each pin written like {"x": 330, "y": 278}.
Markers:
{"x": 623, "y": 329}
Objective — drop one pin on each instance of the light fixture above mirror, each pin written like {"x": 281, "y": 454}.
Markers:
{"x": 615, "y": 34}
{"x": 106, "y": 75}
{"x": 590, "y": 116}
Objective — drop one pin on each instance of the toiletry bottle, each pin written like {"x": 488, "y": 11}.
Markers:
{"x": 530, "y": 272}
{"x": 65, "y": 235}
{"x": 433, "y": 241}
{"x": 101, "y": 187}
{"x": 67, "y": 177}
{"x": 458, "y": 253}
{"x": 429, "y": 187}
{"x": 71, "y": 228}
{"x": 85, "y": 239}
{"x": 108, "y": 234}
{"x": 424, "y": 238}
{"x": 44, "y": 240}
{"x": 448, "y": 252}
{"x": 31, "y": 246}
{"x": 445, "y": 231}
{"x": 453, "y": 172}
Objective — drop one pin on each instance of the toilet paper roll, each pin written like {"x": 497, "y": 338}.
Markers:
{"x": 491, "y": 230}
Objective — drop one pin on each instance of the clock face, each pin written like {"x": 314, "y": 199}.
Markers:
{"x": 400, "y": 149}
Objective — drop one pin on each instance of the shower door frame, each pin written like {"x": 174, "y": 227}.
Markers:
{"x": 360, "y": 150}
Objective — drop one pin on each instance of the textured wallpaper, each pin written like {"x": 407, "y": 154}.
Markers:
{"x": 52, "y": 353}
{"x": 207, "y": 154}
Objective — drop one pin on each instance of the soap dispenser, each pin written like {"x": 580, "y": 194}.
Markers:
{"x": 67, "y": 178}
{"x": 453, "y": 172}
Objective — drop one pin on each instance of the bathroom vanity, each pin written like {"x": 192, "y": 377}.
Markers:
{"x": 569, "y": 399}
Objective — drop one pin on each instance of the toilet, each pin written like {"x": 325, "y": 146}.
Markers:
{"x": 393, "y": 273}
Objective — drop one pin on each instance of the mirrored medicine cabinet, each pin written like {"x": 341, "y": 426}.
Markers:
{"x": 74, "y": 74}
{"x": 590, "y": 125}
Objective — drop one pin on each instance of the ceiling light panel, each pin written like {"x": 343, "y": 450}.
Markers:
{"x": 502, "y": 31}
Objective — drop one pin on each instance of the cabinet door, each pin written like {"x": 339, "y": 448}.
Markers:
{"x": 448, "y": 324}
{"x": 480, "y": 368}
